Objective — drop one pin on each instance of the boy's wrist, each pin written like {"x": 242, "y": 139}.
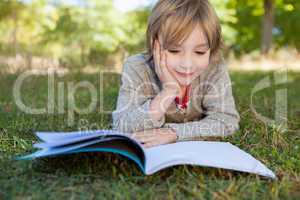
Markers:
{"x": 174, "y": 133}
{"x": 172, "y": 92}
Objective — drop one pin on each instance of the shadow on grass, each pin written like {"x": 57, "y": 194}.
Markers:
{"x": 109, "y": 165}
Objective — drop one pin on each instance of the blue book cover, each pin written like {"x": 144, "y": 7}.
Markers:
{"x": 150, "y": 160}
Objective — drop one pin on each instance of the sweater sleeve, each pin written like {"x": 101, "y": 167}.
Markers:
{"x": 221, "y": 117}
{"x": 132, "y": 111}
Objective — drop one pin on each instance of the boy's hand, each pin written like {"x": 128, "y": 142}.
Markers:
{"x": 162, "y": 70}
{"x": 154, "y": 137}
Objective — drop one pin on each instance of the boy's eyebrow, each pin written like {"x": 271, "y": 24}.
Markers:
{"x": 199, "y": 45}
{"x": 202, "y": 45}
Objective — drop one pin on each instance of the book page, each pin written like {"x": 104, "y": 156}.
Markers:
{"x": 204, "y": 153}
{"x": 58, "y": 143}
{"x": 53, "y": 137}
{"x": 73, "y": 141}
{"x": 60, "y": 150}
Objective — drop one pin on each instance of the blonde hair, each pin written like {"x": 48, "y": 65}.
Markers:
{"x": 175, "y": 20}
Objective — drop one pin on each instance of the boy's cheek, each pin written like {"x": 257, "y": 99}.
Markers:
{"x": 172, "y": 71}
{"x": 205, "y": 63}
{"x": 171, "y": 61}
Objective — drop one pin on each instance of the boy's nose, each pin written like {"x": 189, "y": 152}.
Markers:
{"x": 186, "y": 64}
{"x": 186, "y": 67}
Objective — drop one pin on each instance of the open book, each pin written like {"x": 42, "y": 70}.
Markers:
{"x": 150, "y": 160}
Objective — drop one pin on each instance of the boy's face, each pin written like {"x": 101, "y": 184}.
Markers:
{"x": 188, "y": 60}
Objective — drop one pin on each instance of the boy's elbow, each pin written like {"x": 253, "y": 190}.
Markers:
{"x": 232, "y": 128}
{"x": 233, "y": 124}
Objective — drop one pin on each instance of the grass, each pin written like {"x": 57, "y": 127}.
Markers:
{"x": 97, "y": 176}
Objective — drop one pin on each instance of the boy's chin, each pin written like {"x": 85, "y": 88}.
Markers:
{"x": 185, "y": 82}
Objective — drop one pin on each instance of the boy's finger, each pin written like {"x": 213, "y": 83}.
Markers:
{"x": 145, "y": 139}
{"x": 164, "y": 67}
{"x": 149, "y": 144}
{"x": 160, "y": 54}
{"x": 145, "y": 133}
{"x": 157, "y": 59}
{"x": 163, "y": 60}
{"x": 157, "y": 51}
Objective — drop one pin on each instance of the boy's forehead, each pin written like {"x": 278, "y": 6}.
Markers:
{"x": 196, "y": 38}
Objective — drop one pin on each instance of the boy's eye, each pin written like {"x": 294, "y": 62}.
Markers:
{"x": 173, "y": 51}
{"x": 177, "y": 51}
{"x": 201, "y": 52}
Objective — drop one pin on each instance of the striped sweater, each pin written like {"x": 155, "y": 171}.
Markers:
{"x": 211, "y": 110}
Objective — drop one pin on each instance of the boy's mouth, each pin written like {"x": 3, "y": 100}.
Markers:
{"x": 184, "y": 74}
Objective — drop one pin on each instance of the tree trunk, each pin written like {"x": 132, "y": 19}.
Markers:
{"x": 268, "y": 23}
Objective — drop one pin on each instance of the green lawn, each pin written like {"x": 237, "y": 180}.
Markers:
{"x": 97, "y": 176}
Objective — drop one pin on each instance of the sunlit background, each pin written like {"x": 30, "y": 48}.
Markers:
{"x": 78, "y": 38}
{"x": 91, "y": 35}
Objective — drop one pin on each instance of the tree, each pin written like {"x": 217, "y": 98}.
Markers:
{"x": 267, "y": 26}
{"x": 11, "y": 10}
{"x": 263, "y": 24}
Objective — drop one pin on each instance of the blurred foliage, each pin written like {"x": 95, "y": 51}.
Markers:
{"x": 242, "y": 23}
{"x": 89, "y": 32}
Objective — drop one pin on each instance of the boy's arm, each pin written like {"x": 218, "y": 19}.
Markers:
{"x": 221, "y": 118}
{"x": 137, "y": 111}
